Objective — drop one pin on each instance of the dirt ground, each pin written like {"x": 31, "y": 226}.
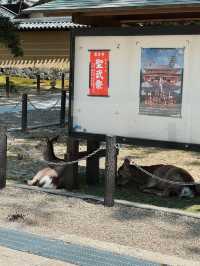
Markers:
{"x": 58, "y": 217}
{"x": 189, "y": 160}
{"x": 25, "y": 154}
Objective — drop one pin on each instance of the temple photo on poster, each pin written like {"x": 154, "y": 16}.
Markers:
{"x": 161, "y": 81}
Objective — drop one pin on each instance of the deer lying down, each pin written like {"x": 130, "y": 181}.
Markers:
{"x": 128, "y": 174}
{"x": 56, "y": 176}
{"x": 48, "y": 150}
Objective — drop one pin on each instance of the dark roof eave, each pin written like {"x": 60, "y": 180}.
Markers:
{"x": 115, "y": 9}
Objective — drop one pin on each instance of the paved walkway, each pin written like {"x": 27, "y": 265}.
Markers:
{"x": 10, "y": 257}
{"x": 40, "y": 102}
{"x": 57, "y": 250}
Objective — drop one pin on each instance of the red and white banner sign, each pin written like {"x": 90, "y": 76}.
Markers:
{"x": 99, "y": 73}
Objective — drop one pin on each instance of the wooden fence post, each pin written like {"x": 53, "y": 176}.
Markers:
{"x": 7, "y": 86}
{"x": 72, "y": 154}
{"x": 3, "y": 156}
{"x": 92, "y": 164}
{"x": 111, "y": 157}
{"x": 62, "y": 108}
{"x": 38, "y": 83}
{"x": 63, "y": 81}
{"x": 24, "y": 112}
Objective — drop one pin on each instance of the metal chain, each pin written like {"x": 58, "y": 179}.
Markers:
{"x": 50, "y": 162}
{"x": 47, "y": 109}
{"x": 95, "y": 152}
{"x": 164, "y": 180}
{"x": 74, "y": 161}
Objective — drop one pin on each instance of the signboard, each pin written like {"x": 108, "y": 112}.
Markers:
{"x": 149, "y": 85}
{"x": 161, "y": 81}
{"x": 99, "y": 73}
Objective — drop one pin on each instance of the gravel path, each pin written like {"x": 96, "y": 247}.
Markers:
{"x": 56, "y": 216}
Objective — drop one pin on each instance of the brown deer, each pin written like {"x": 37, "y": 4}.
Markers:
{"x": 48, "y": 150}
{"x": 53, "y": 176}
{"x": 128, "y": 174}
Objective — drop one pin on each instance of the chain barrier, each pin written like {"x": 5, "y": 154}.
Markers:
{"x": 94, "y": 153}
{"x": 74, "y": 161}
{"x": 39, "y": 109}
{"x": 164, "y": 180}
{"x": 12, "y": 141}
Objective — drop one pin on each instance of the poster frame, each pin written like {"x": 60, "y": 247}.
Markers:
{"x": 155, "y": 111}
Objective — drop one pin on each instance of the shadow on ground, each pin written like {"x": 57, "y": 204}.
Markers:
{"x": 134, "y": 195}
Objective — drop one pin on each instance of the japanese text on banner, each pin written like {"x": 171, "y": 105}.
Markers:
{"x": 99, "y": 73}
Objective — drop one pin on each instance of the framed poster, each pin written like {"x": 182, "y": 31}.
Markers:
{"x": 161, "y": 81}
{"x": 99, "y": 73}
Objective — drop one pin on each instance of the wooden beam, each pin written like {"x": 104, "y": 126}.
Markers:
{"x": 92, "y": 166}
{"x": 130, "y": 21}
{"x": 72, "y": 154}
{"x": 111, "y": 158}
{"x": 3, "y": 156}
{"x": 116, "y": 19}
{"x": 24, "y": 117}
{"x": 141, "y": 11}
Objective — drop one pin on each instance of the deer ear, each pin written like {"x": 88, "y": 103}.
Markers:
{"x": 127, "y": 161}
{"x": 55, "y": 138}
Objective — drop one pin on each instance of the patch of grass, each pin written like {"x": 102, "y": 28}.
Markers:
{"x": 21, "y": 170}
{"x": 134, "y": 195}
{"x": 20, "y": 83}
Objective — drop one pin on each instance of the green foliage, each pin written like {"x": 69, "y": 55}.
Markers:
{"x": 10, "y": 37}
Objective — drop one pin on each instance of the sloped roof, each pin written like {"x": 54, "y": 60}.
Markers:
{"x": 6, "y": 13}
{"x": 17, "y": 7}
{"x": 47, "y": 23}
{"x": 72, "y": 5}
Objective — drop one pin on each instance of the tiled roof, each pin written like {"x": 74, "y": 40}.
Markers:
{"x": 59, "y": 63}
{"x": 6, "y": 13}
{"x": 47, "y": 23}
{"x": 98, "y": 4}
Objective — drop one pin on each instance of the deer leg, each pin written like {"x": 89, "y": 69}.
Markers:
{"x": 166, "y": 192}
{"x": 150, "y": 184}
{"x": 34, "y": 181}
{"x": 152, "y": 191}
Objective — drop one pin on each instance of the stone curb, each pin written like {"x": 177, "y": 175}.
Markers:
{"x": 100, "y": 199}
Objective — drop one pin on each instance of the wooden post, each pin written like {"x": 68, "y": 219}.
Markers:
{"x": 38, "y": 83}
{"x": 63, "y": 81}
{"x": 92, "y": 164}
{"x": 24, "y": 112}
{"x": 7, "y": 86}
{"x": 110, "y": 171}
{"x": 72, "y": 154}
{"x": 62, "y": 108}
{"x": 3, "y": 156}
